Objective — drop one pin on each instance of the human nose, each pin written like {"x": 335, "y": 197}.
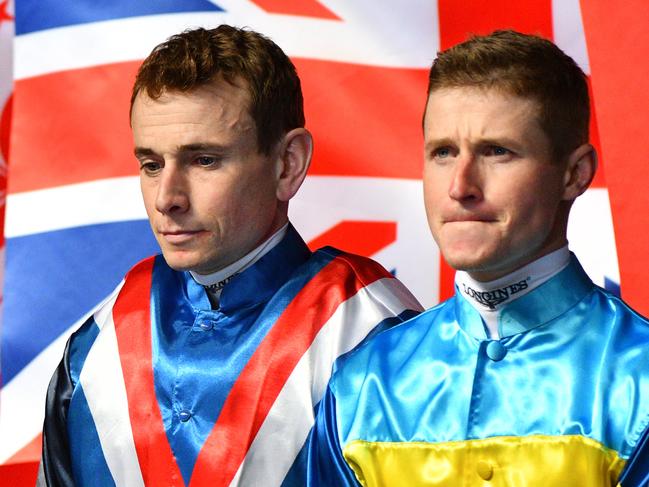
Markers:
{"x": 172, "y": 196}
{"x": 465, "y": 184}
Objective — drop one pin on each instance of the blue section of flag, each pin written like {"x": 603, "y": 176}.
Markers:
{"x": 35, "y": 15}
{"x": 52, "y": 279}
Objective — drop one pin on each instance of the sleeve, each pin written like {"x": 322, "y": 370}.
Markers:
{"x": 56, "y": 467}
{"x": 636, "y": 471}
{"x": 326, "y": 464}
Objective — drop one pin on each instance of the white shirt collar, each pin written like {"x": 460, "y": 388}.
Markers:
{"x": 488, "y": 298}
{"x": 215, "y": 282}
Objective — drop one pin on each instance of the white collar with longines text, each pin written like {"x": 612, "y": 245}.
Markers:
{"x": 215, "y": 282}
{"x": 488, "y": 298}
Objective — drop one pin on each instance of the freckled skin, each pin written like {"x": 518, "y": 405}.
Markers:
{"x": 210, "y": 195}
{"x": 495, "y": 199}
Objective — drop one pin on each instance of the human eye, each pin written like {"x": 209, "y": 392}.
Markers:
{"x": 150, "y": 168}
{"x": 206, "y": 161}
{"x": 497, "y": 151}
{"x": 442, "y": 154}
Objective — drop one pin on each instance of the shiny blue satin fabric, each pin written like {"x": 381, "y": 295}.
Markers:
{"x": 293, "y": 306}
{"x": 198, "y": 352}
{"x": 636, "y": 473}
{"x": 573, "y": 360}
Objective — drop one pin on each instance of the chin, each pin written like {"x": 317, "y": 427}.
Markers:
{"x": 178, "y": 266}
{"x": 180, "y": 262}
{"x": 470, "y": 261}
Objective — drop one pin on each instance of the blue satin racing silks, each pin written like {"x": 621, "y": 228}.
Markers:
{"x": 199, "y": 356}
{"x": 191, "y": 373}
{"x": 573, "y": 360}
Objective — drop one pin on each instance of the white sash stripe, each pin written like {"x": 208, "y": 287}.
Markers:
{"x": 347, "y": 327}
{"x": 103, "y": 384}
{"x": 103, "y": 313}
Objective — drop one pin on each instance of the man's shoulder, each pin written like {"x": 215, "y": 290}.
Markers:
{"x": 85, "y": 336}
{"x": 350, "y": 264}
{"x": 356, "y": 273}
{"x": 145, "y": 266}
{"x": 627, "y": 339}
{"x": 392, "y": 347}
{"x": 622, "y": 315}
{"x": 623, "y": 341}
{"x": 96, "y": 318}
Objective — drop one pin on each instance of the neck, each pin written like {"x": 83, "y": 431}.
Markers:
{"x": 216, "y": 281}
{"x": 488, "y": 298}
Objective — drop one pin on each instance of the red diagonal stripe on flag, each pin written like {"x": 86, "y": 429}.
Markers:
{"x": 358, "y": 237}
{"x": 304, "y": 8}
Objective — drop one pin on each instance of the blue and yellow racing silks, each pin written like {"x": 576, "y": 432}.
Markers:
{"x": 561, "y": 399}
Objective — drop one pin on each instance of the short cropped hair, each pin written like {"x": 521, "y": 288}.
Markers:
{"x": 197, "y": 57}
{"x": 527, "y": 66}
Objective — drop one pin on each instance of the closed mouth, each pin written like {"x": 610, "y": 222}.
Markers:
{"x": 463, "y": 219}
{"x": 178, "y": 237}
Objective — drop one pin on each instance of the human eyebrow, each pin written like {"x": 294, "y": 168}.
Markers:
{"x": 505, "y": 143}
{"x": 434, "y": 144}
{"x": 141, "y": 152}
{"x": 200, "y": 147}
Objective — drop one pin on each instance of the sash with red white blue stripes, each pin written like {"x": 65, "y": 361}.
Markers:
{"x": 328, "y": 306}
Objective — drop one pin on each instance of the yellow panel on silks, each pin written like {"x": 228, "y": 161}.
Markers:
{"x": 510, "y": 461}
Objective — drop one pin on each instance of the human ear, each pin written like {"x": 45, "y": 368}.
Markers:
{"x": 580, "y": 170}
{"x": 293, "y": 160}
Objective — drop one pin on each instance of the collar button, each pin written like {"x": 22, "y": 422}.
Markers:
{"x": 206, "y": 326}
{"x": 496, "y": 351}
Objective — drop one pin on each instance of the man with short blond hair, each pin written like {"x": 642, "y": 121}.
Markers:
{"x": 530, "y": 374}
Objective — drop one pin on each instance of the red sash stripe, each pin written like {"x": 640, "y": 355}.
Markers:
{"x": 132, "y": 317}
{"x": 263, "y": 377}
{"x": 254, "y": 392}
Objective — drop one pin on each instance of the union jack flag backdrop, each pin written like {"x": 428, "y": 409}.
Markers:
{"x": 74, "y": 220}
